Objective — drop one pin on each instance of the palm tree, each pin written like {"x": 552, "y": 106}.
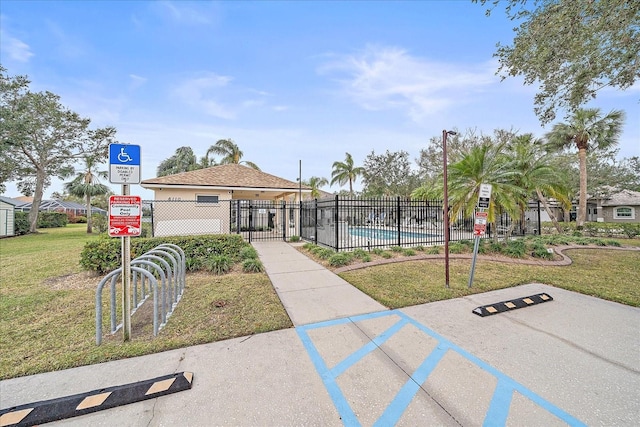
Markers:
{"x": 183, "y": 160}
{"x": 344, "y": 172}
{"x": 587, "y": 129}
{"x": 230, "y": 153}
{"x": 484, "y": 164}
{"x": 87, "y": 184}
{"x": 536, "y": 173}
{"x": 315, "y": 183}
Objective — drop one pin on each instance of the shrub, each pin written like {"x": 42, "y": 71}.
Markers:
{"x": 457, "y": 248}
{"x": 252, "y": 265}
{"x": 495, "y": 247}
{"x": 361, "y": 254}
{"x": 377, "y": 251}
{"x": 612, "y": 243}
{"x": 408, "y": 252}
{"x": 340, "y": 259}
{"x": 308, "y": 246}
{"x": 248, "y": 252}
{"x": 99, "y": 223}
{"x": 21, "y": 223}
{"x": 395, "y": 249}
{"x": 386, "y": 255}
{"x": 631, "y": 230}
{"x": 52, "y": 219}
{"x": 419, "y": 248}
{"x": 433, "y": 250}
{"x": 103, "y": 255}
{"x": 294, "y": 238}
{"x": 325, "y": 253}
{"x": 515, "y": 249}
{"x": 219, "y": 264}
{"x": 540, "y": 251}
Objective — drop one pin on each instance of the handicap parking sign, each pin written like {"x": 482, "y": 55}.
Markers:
{"x": 124, "y": 164}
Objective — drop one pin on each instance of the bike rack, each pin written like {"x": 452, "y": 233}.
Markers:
{"x": 165, "y": 263}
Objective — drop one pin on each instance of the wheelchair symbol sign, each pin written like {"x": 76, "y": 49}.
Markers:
{"x": 124, "y": 164}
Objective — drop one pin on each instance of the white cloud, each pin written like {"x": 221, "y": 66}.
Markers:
{"x": 381, "y": 78}
{"x": 182, "y": 13}
{"x": 200, "y": 93}
{"x": 136, "y": 81}
{"x": 14, "y": 48}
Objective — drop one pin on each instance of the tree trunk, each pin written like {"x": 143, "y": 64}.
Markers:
{"x": 37, "y": 199}
{"x": 553, "y": 218}
{"x": 89, "y": 227}
{"x": 582, "y": 203}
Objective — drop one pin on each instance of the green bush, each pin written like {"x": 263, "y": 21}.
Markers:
{"x": 360, "y": 254}
{"x": 457, "y": 248}
{"x": 631, "y": 230}
{"x": 248, "y": 252}
{"x": 386, "y": 255}
{"x": 45, "y": 220}
{"x": 340, "y": 259}
{"x": 308, "y": 246}
{"x": 515, "y": 248}
{"x": 103, "y": 255}
{"x": 433, "y": 250}
{"x": 219, "y": 264}
{"x": 52, "y": 219}
{"x": 100, "y": 223}
{"x": 252, "y": 265}
{"x": 419, "y": 248}
{"x": 395, "y": 249}
{"x": 408, "y": 252}
{"x": 21, "y": 223}
{"x": 294, "y": 238}
{"x": 377, "y": 251}
{"x": 540, "y": 251}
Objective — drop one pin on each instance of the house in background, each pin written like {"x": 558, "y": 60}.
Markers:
{"x": 217, "y": 199}
{"x": 619, "y": 206}
{"x": 7, "y": 216}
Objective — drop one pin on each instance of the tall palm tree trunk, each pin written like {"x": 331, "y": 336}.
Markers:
{"x": 582, "y": 202}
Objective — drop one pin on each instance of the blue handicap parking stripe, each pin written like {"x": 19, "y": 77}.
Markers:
{"x": 496, "y": 414}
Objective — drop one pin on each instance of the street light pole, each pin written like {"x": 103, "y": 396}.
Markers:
{"x": 445, "y": 207}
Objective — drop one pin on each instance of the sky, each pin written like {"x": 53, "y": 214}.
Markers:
{"x": 287, "y": 81}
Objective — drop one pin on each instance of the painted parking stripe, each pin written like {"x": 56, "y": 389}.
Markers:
{"x": 496, "y": 414}
{"x": 85, "y": 403}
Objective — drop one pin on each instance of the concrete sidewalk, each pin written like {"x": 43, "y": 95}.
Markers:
{"x": 349, "y": 361}
{"x": 308, "y": 291}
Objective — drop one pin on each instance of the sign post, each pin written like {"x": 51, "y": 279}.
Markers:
{"x": 480, "y": 224}
{"x": 124, "y": 168}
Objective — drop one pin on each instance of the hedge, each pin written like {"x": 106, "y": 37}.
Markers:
{"x": 597, "y": 229}
{"x": 103, "y": 255}
{"x": 45, "y": 220}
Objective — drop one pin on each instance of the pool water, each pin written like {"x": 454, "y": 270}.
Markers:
{"x": 375, "y": 233}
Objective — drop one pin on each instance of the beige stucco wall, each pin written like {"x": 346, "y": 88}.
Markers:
{"x": 608, "y": 214}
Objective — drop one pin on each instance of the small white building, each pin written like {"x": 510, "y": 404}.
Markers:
{"x": 7, "y": 216}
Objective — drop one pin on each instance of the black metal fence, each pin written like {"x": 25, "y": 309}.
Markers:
{"x": 338, "y": 223}
{"x": 347, "y": 224}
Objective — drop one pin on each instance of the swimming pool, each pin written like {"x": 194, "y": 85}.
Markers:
{"x": 376, "y": 233}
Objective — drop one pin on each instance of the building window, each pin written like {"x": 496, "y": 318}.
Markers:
{"x": 206, "y": 199}
{"x": 624, "y": 212}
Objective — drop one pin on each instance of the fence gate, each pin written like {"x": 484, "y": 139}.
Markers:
{"x": 262, "y": 219}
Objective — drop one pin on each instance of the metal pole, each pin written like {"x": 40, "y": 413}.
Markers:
{"x": 126, "y": 280}
{"x": 300, "y": 198}
{"x": 445, "y": 209}
{"x": 473, "y": 263}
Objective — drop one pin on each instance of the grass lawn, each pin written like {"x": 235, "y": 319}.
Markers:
{"x": 47, "y": 308}
{"x": 47, "y": 304}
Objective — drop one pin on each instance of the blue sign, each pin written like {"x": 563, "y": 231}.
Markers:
{"x": 124, "y": 154}
{"x": 124, "y": 164}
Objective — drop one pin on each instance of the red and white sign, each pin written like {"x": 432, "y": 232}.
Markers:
{"x": 480, "y": 224}
{"x": 125, "y": 216}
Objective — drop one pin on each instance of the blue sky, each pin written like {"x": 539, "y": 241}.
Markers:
{"x": 287, "y": 81}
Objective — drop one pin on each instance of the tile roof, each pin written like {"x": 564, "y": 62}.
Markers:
{"x": 624, "y": 197}
{"x": 232, "y": 175}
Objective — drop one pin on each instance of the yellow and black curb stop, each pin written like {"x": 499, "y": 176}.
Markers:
{"x": 85, "y": 403}
{"x": 500, "y": 307}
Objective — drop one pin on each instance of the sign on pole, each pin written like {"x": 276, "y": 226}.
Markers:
{"x": 484, "y": 196}
{"x": 124, "y": 164}
{"x": 125, "y": 213}
{"x": 480, "y": 224}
